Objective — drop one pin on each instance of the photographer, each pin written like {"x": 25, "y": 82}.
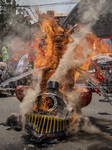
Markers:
{"x": 108, "y": 78}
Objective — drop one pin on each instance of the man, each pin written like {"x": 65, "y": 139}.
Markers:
{"x": 1, "y": 76}
{"x": 5, "y": 55}
{"x": 108, "y": 78}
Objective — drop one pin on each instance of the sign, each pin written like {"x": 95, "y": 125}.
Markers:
{"x": 20, "y": 48}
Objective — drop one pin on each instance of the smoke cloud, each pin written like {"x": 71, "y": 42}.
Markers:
{"x": 90, "y": 10}
{"x": 18, "y": 32}
{"x": 69, "y": 60}
{"x": 83, "y": 124}
{"x": 29, "y": 99}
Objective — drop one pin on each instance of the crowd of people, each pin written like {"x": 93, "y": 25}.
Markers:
{"x": 7, "y": 71}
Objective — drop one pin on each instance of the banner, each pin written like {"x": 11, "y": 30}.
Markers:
{"x": 23, "y": 63}
{"x": 22, "y": 47}
{"x": 13, "y": 79}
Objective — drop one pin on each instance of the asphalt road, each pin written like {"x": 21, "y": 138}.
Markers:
{"x": 99, "y": 111}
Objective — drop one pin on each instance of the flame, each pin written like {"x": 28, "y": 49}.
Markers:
{"x": 96, "y": 46}
{"x": 51, "y": 46}
{"x": 52, "y": 43}
{"x": 43, "y": 105}
{"x": 47, "y": 54}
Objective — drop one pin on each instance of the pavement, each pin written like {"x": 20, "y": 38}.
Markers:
{"x": 99, "y": 111}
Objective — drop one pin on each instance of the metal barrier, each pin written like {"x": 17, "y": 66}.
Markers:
{"x": 45, "y": 124}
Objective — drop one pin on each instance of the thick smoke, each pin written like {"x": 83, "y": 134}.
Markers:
{"x": 90, "y": 16}
{"x": 82, "y": 124}
{"x": 19, "y": 32}
{"x": 90, "y": 10}
{"x": 70, "y": 96}
{"x": 29, "y": 99}
{"x": 68, "y": 60}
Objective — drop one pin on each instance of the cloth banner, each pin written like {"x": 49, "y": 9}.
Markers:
{"x": 13, "y": 79}
{"x": 23, "y": 63}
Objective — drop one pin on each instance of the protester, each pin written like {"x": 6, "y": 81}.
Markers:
{"x": 31, "y": 58}
{"x": 108, "y": 77}
{"x": 1, "y": 57}
{"x": 1, "y": 76}
{"x": 23, "y": 63}
{"x": 4, "y": 52}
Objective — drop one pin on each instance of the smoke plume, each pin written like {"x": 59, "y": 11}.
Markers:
{"x": 89, "y": 14}
{"x": 69, "y": 60}
{"x": 82, "y": 124}
{"x": 90, "y": 10}
{"x": 29, "y": 99}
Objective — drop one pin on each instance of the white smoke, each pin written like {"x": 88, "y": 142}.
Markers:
{"x": 20, "y": 31}
{"x": 82, "y": 124}
{"x": 68, "y": 60}
{"x": 70, "y": 96}
{"x": 29, "y": 99}
{"x": 90, "y": 11}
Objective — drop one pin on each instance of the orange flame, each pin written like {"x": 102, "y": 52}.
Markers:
{"x": 52, "y": 43}
{"x": 51, "y": 47}
{"x": 43, "y": 105}
{"x": 96, "y": 46}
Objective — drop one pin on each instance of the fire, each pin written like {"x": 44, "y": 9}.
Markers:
{"x": 43, "y": 105}
{"x": 96, "y": 46}
{"x": 51, "y": 46}
{"x": 48, "y": 55}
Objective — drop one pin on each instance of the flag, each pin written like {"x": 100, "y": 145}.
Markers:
{"x": 23, "y": 63}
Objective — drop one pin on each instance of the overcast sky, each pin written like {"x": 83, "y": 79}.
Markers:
{"x": 62, "y": 8}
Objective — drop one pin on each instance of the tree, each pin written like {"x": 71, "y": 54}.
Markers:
{"x": 13, "y": 21}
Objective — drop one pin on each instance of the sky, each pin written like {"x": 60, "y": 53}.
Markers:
{"x": 58, "y": 8}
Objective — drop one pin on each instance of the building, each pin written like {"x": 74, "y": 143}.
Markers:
{"x": 60, "y": 18}
{"x": 94, "y": 13}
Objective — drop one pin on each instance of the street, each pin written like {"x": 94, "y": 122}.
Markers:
{"x": 99, "y": 111}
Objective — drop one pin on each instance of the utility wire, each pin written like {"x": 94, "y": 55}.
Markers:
{"x": 69, "y": 6}
{"x": 49, "y": 4}
{"x": 33, "y": 14}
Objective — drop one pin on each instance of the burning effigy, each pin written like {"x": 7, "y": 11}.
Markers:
{"x": 51, "y": 106}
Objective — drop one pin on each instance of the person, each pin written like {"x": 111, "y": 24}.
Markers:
{"x": 108, "y": 78}
{"x": 5, "y": 55}
{"x": 1, "y": 75}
